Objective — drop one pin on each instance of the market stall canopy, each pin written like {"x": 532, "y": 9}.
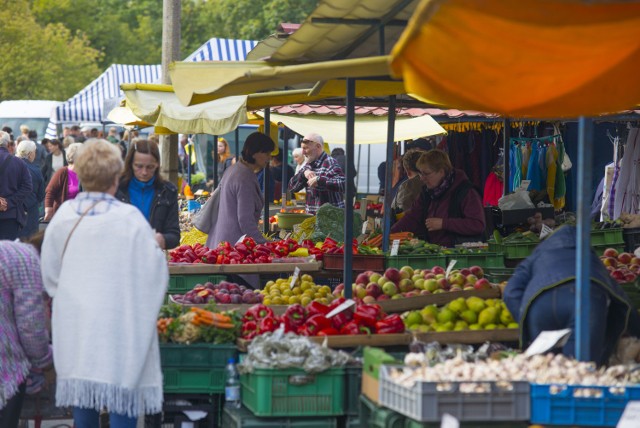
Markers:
{"x": 216, "y": 49}
{"x": 196, "y": 83}
{"x": 368, "y": 129}
{"x": 530, "y": 58}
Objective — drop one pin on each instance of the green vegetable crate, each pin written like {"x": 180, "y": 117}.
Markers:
{"x": 611, "y": 236}
{"x": 243, "y": 418}
{"x": 518, "y": 250}
{"x": 633, "y": 291}
{"x": 195, "y": 368}
{"x": 294, "y": 392}
{"x": 180, "y": 284}
{"x": 416, "y": 262}
{"x": 482, "y": 259}
{"x": 599, "y": 248}
{"x": 353, "y": 386}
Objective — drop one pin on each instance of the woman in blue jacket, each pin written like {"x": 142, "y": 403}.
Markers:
{"x": 541, "y": 296}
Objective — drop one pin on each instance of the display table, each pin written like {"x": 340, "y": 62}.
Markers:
{"x": 201, "y": 268}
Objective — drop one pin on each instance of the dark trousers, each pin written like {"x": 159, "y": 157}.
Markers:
{"x": 555, "y": 309}
{"x": 9, "y": 229}
{"x": 10, "y": 414}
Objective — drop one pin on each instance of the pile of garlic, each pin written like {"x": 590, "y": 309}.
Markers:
{"x": 539, "y": 369}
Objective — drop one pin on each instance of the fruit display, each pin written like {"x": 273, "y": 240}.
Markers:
{"x": 629, "y": 220}
{"x": 623, "y": 267}
{"x": 304, "y": 291}
{"x": 312, "y": 320}
{"x": 395, "y": 283}
{"x": 180, "y": 324}
{"x": 472, "y": 313}
{"x": 222, "y": 293}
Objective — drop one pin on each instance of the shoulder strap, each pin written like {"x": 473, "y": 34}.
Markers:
{"x": 64, "y": 250}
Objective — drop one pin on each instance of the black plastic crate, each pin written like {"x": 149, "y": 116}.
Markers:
{"x": 631, "y": 239}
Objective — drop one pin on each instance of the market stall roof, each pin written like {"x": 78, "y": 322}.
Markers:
{"x": 560, "y": 59}
{"x": 201, "y": 82}
{"x": 368, "y": 129}
{"x": 340, "y": 110}
{"x": 216, "y": 49}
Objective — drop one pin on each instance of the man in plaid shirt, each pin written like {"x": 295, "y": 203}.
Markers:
{"x": 321, "y": 176}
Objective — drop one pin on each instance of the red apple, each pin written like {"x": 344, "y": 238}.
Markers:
{"x": 393, "y": 275}
{"x": 443, "y": 284}
{"x": 634, "y": 261}
{"x": 482, "y": 284}
{"x": 465, "y": 271}
{"x": 383, "y": 297}
{"x": 477, "y": 271}
{"x": 368, "y": 299}
{"x": 438, "y": 270}
{"x": 625, "y": 258}
{"x": 362, "y": 278}
{"x": 429, "y": 275}
{"x": 338, "y": 290}
{"x": 471, "y": 279}
{"x": 610, "y": 261}
{"x": 610, "y": 252}
{"x": 373, "y": 290}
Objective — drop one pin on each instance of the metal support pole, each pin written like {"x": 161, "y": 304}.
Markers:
{"x": 357, "y": 169}
{"x": 386, "y": 225}
{"x": 348, "y": 212}
{"x": 506, "y": 136}
{"x": 266, "y": 175}
{"x": 285, "y": 163}
{"x": 583, "y": 250}
{"x": 215, "y": 162}
{"x": 189, "y": 149}
{"x": 368, "y": 168}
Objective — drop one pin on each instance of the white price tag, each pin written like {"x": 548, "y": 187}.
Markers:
{"x": 365, "y": 225}
{"x": 294, "y": 278}
{"x": 524, "y": 185}
{"x": 450, "y": 266}
{"x": 241, "y": 239}
{"x": 395, "y": 247}
{"x": 545, "y": 231}
{"x": 631, "y": 416}
{"x": 449, "y": 421}
{"x": 287, "y": 236}
{"x": 548, "y": 340}
{"x": 341, "y": 307}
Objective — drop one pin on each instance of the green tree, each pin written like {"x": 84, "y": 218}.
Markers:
{"x": 41, "y": 62}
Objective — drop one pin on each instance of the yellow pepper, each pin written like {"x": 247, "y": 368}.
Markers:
{"x": 300, "y": 252}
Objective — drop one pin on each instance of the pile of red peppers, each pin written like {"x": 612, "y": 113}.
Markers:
{"x": 312, "y": 320}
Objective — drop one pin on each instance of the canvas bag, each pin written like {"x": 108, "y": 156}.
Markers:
{"x": 205, "y": 219}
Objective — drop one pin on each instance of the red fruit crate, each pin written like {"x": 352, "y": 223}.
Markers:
{"x": 359, "y": 262}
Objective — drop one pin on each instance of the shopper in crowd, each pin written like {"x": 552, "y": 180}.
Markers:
{"x": 275, "y": 172}
{"x": 298, "y": 158}
{"x": 63, "y": 185}
{"x": 339, "y": 155}
{"x": 100, "y": 257}
{"x": 449, "y": 210}
{"x": 156, "y": 198}
{"x": 409, "y": 190}
{"x": 55, "y": 160}
{"x": 225, "y": 158}
{"x": 67, "y": 141}
{"x": 15, "y": 188}
{"x": 321, "y": 177}
{"x": 27, "y": 152}
{"x": 24, "y": 340}
{"x": 541, "y": 296}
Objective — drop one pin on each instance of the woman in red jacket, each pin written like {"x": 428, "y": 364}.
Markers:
{"x": 64, "y": 184}
{"x": 449, "y": 210}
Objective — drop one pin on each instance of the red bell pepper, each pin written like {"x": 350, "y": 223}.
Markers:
{"x": 295, "y": 316}
{"x": 390, "y": 324}
{"x": 329, "y": 331}
{"x": 268, "y": 324}
{"x": 317, "y": 323}
{"x": 249, "y": 330}
{"x": 249, "y": 242}
{"x": 368, "y": 314}
{"x": 353, "y": 327}
{"x": 317, "y": 308}
{"x": 258, "y": 312}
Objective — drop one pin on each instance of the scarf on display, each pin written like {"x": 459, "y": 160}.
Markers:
{"x": 444, "y": 185}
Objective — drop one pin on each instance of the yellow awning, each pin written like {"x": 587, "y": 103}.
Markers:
{"x": 198, "y": 82}
{"x": 528, "y": 58}
{"x": 368, "y": 129}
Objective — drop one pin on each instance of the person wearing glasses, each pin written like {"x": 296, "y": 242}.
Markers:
{"x": 409, "y": 190}
{"x": 449, "y": 210}
{"x": 157, "y": 199}
{"x": 322, "y": 176}
{"x": 63, "y": 185}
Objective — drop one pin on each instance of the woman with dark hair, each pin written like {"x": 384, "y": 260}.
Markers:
{"x": 63, "y": 185}
{"x": 55, "y": 159}
{"x": 241, "y": 200}
{"x": 142, "y": 185}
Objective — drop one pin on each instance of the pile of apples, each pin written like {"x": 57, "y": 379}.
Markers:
{"x": 222, "y": 293}
{"x": 406, "y": 282}
{"x": 623, "y": 267}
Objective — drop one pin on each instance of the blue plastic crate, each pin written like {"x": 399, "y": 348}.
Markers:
{"x": 569, "y": 405}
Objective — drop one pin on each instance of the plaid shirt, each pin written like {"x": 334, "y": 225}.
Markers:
{"x": 329, "y": 188}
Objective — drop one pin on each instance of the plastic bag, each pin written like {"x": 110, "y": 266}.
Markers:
{"x": 515, "y": 201}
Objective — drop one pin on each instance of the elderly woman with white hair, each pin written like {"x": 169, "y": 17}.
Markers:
{"x": 64, "y": 184}
{"x": 107, "y": 276}
{"x": 27, "y": 152}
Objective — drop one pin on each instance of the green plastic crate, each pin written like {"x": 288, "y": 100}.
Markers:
{"x": 606, "y": 236}
{"x": 243, "y": 418}
{"x": 353, "y": 422}
{"x": 618, "y": 246}
{"x": 353, "y": 387}
{"x": 633, "y": 292}
{"x": 366, "y": 410}
{"x": 518, "y": 250}
{"x": 293, "y": 392}
{"x": 381, "y": 417}
{"x": 494, "y": 247}
{"x": 180, "y": 284}
{"x": 484, "y": 260}
{"x": 416, "y": 262}
{"x": 499, "y": 275}
{"x": 195, "y": 368}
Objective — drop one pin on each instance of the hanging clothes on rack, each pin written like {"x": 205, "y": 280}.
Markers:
{"x": 526, "y": 155}
{"x": 560, "y": 190}
{"x": 551, "y": 163}
{"x": 611, "y": 175}
{"x": 493, "y": 185}
{"x": 542, "y": 165}
{"x": 515, "y": 172}
{"x": 533, "y": 170}
{"x": 627, "y": 198}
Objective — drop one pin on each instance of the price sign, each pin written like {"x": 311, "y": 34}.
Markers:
{"x": 294, "y": 278}
{"x": 395, "y": 247}
{"x": 548, "y": 340}
{"x": 341, "y": 307}
{"x": 631, "y": 416}
{"x": 365, "y": 225}
{"x": 545, "y": 231}
{"x": 287, "y": 236}
{"x": 452, "y": 263}
{"x": 241, "y": 239}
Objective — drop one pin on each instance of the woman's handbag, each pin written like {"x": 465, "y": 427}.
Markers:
{"x": 205, "y": 219}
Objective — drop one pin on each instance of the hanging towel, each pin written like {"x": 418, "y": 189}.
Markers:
{"x": 627, "y": 186}
{"x": 551, "y": 162}
{"x": 516, "y": 170}
{"x": 560, "y": 190}
{"x": 542, "y": 164}
{"x": 492, "y": 190}
{"x": 533, "y": 171}
{"x": 526, "y": 155}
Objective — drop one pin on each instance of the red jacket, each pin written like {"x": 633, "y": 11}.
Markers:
{"x": 56, "y": 192}
{"x": 470, "y": 223}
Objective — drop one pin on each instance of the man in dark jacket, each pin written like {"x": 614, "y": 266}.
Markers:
{"x": 541, "y": 296}
{"x": 15, "y": 187}
{"x": 27, "y": 152}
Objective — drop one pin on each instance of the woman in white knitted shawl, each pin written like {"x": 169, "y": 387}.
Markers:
{"x": 107, "y": 276}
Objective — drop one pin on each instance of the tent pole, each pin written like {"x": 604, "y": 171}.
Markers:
{"x": 506, "y": 136}
{"x": 348, "y": 212}
{"x": 358, "y": 169}
{"x": 265, "y": 176}
{"x": 386, "y": 225}
{"x": 285, "y": 162}
{"x": 583, "y": 256}
{"x": 215, "y": 162}
{"x": 368, "y": 168}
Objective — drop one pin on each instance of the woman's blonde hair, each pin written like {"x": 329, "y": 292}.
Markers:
{"x": 98, "y": 164}
{"x": 435, "y": 160}
{"x": 71, "y": 152}
{"x": 227, "y": 151}
{"x": 67, "y": 141}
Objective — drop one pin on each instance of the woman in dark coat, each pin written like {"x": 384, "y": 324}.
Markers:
{"x": 27, "y": 151}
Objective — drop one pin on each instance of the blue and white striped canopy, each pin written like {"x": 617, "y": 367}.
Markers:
{"x": 88, "y": 105}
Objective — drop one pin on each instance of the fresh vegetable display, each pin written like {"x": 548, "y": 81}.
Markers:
{"x": 395, "y": 283}
{"x": 304, "y": 291}
{"x": 623, "y": 267}
{"x": 472, "y": 313}
{"x": 222, "y": 293}
{"x": 313, "y": 321}
{"x": 243, "y": 252}
{"x": 180, "y": 324}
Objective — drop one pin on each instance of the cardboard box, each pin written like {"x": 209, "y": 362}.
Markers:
{"x": 373, "y": 358}
{"x": 370, "y": 387}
